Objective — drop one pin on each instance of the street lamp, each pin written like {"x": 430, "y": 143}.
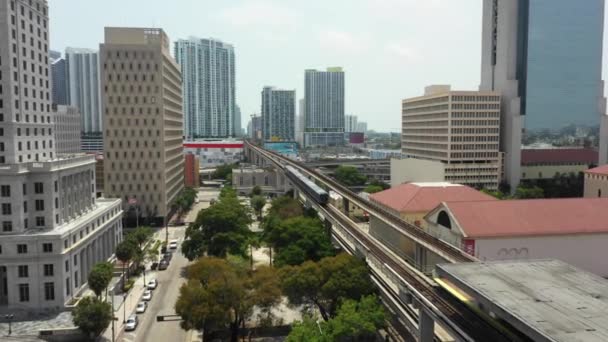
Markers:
{"x": 10, "y": 319}
{"x": 124, "y": 308}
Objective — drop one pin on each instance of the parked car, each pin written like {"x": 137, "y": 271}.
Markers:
{"x": 147, "y": 295}
{"x": 167, "y": 256}
{"x": 131, "y": 323}
{"x": 141, "y": 307}
{"x": 163, "y": 265}
{"x": 152, "y": 284}
{"x": 173, "y": 244}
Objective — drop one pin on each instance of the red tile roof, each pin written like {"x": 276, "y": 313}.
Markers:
{"x": 558, "y": 155}
{"x": 423, "y": 197}
{"x": 531, "y": 217}
{"x": 600, "y": 170}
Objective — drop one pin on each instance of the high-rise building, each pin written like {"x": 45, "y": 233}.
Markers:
{"x": 278, "y": 114}
{"x": 142, "y": 102}
{"x": 545, "y": 58}
{"x": 458, "y": 129}
{"x": 67, "y": 129}
{"x": 53, "y": 229}
{"x": 254, "y": 129}
{"x": 362, "y": 127}
{"x": 207, "y": 67}
{"x": 59, "y": 82}
{"x": 324, "y": 107}
{"x": 300, "y": 124}
{"x": 350, "y": 123}
{"x": 238, "y": 130}
{"x": 83, "y": 87}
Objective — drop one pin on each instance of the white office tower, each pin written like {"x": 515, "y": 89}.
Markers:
{"x": 53, "y": 229}
{"x": 278, "y": 114}
{"x": 324, "y": 107}
{"x": 350, "y": 123}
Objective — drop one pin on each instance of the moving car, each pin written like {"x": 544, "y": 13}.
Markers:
{"x": 163, "y": 265}
{"x": 152, "y": 284}
{"x": 147, "y": 295}
{"x": 141, "y": 307}
{"x": 131, "y": 323}
{"x": 173, "y": 244}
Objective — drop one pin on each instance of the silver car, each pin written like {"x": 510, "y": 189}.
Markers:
{"x": 131, "y": 323}
{"x": 141, "y": 307}
{"x": 147, "y": 295}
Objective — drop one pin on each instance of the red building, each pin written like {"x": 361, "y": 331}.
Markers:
{"x": 191, "y": 171}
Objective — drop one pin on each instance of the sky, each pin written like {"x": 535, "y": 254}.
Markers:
{"x": 389, "y": 49}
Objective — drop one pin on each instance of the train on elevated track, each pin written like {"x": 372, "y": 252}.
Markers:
{"x": 311, "y": 188}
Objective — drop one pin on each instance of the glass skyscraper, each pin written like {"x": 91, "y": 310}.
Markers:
{"x": 545, "y": 58}
{"x": 278, "y": 114}
{"x": 324, "y": 107}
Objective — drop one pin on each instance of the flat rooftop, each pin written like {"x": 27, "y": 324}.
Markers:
{"x": 547, "y": 300}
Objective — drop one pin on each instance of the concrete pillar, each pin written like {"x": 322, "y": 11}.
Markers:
{"x": 328, "y": 226}
{"x": 420, "y": 257}
{"x": 346, "y": 205}
{"x": 82, "y": 267}
{"x": 426, "y": 326}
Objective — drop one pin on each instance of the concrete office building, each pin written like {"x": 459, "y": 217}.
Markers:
{"x": 545, "y": 58}
{"x": 362, "y": 127}
{"x": 596, "y": 182}
{"x": 300, "y": 123}
{"x": 67, "y": 129}
{"x": 53, "y": 229}
{"x": 59, "y": 82}
{"x": 83, "y": 87}
{"x": 208, "y": 72}
{"x": 459, "y": 129}
{"x": 350, "y": 123}
{"x": 278, "y": 114}
{"x": 324, "y": 107}
{"x": 238, "y": 130}
{"x": 254, "y": 129}
{"x": 142, "y": 106}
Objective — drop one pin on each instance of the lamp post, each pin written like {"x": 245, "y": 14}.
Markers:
{"x": 124, "y": 308}
{"x": 9, "y": 318}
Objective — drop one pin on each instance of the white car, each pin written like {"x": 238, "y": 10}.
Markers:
{"x": 173, "y": 244}
{"x": 141, "y": 307}
{"x": 147, "y": 295}
{"x": 131, "y": 323}
{"x": 152, "y": 284}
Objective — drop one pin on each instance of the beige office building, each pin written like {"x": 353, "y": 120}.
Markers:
{"x": 142, "y": 120}
{"x": 459, "y": 130}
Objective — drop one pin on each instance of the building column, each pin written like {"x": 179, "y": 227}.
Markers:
{"x": 426, "y": 326}
{"x": 346, "y": 205}
{"x": 82, "y": 265}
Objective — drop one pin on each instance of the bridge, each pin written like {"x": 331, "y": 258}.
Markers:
{"x": 413, "y": 297}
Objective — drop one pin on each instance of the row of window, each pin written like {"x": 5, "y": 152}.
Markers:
{"x": 476, "y": 106}
{"x": 469, "y": 98}
{"x": 471, "y": 138}
{"x": 475, "y": 122}
{"x": 24, "y": 292}
{"x": 475, "y": 130}
{"x": 476, "y": 114}
{"x": 478, "y": 155}
{"x": 135, "y": 55}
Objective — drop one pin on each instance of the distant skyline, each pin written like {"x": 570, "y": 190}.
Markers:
{"x": 389, "y": 49}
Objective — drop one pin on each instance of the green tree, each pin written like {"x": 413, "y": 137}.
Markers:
{"x": 380, "y": 183}
{"x": 256, "y": 191}
{"x": 309, "y": 330}
{"x": 526, "y": 193}
{"x": 220, "y": 229}
{"x": 99, "y": 278}
{"x": 349, "y": 176}
{"x": 258, "y": 203}
{"x": 372, "y": 189}
{"x": 140, "y": 235}
{"x": 92, "y": 316}
{"x": 125, "y": 251}
{"x": 326, "y": 283}
{"x": 184, "y": 200}
{"x": 223, "y": 171}
{"x": 284, "y": 207}
{"x": 220, "y": 295}
{"x": 298, "y": 239}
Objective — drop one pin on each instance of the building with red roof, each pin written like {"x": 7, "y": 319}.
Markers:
{"x": 574, "y": 230}
{"x": 546, "y": 163}
{"x": 596, "y": 182}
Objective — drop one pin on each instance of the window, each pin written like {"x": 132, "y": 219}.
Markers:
{"x": 75, "y": 260}
{"x": 21, "y": 249}
{"x": 599, "y": 192}
{"x": 49, "y": 270}
{"x": 39, "y": 221}
{"x": 47, "y": 247}
{"x": 6, "y": 209}
{"x": 67, "y": 265}
{"x": 23, "y": 271}
{"x": 75, "y": 278}
{"x": 7, "y": 226}
{"x": 5, "y": 191}
{"x": 38, "y": 188}
{"x": 39, "y": 205}
{"x": 24, "y": 292}
{"x": 49, "y": 291}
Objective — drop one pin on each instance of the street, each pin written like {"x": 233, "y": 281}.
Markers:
{"x": 163, "y": 299}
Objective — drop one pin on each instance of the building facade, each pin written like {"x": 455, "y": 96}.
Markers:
{"x": 53, "y": 229}
{"x": 212, "y": 153}
{"x": 254, "y": 129}
{"x": 457, "y": 128}
{"x": 324, "y": 107}
{"x": 350, "y": 123}
{"x": 142, "y": 106}
{"x": 545, "y": 58}
{"x": 362, "y": 127}
{"x": 278, "y": 114}
{"x": 238, "y": 129}
{"x": 244, "y": 179}
{"x": 191, "y": 170}
{"x": 548, "y": 163}
{"x": 596, "y": 182}
{"x": 67, "y": 129}
{"x": 58, "y": 79}
{"x": 82, "y": 67}
{"x": 208, "y": 72}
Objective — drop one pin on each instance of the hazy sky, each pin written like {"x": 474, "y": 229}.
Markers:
{"x": 389, "y": 49}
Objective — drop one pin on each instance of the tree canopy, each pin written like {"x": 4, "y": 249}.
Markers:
{"x": 92, "y": 316}
{"x": 185, "y": 199}
{"x": 256, "y": 191}
{"x": 298, "y": 239}
{"x": 223, "y": 171}
{"x": 372, "y": 189}
{"x": 258, "y": 203}
{"x": 99, "y": 278}
{"x": 284, "y": 207}
{"x": 349, "y": 176}
{"x": 220, "y": 229}
{"x": 219, "y": 295}
{"x": 326, "y": 283}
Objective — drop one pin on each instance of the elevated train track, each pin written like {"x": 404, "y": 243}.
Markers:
{"x": 458, "y": 319}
